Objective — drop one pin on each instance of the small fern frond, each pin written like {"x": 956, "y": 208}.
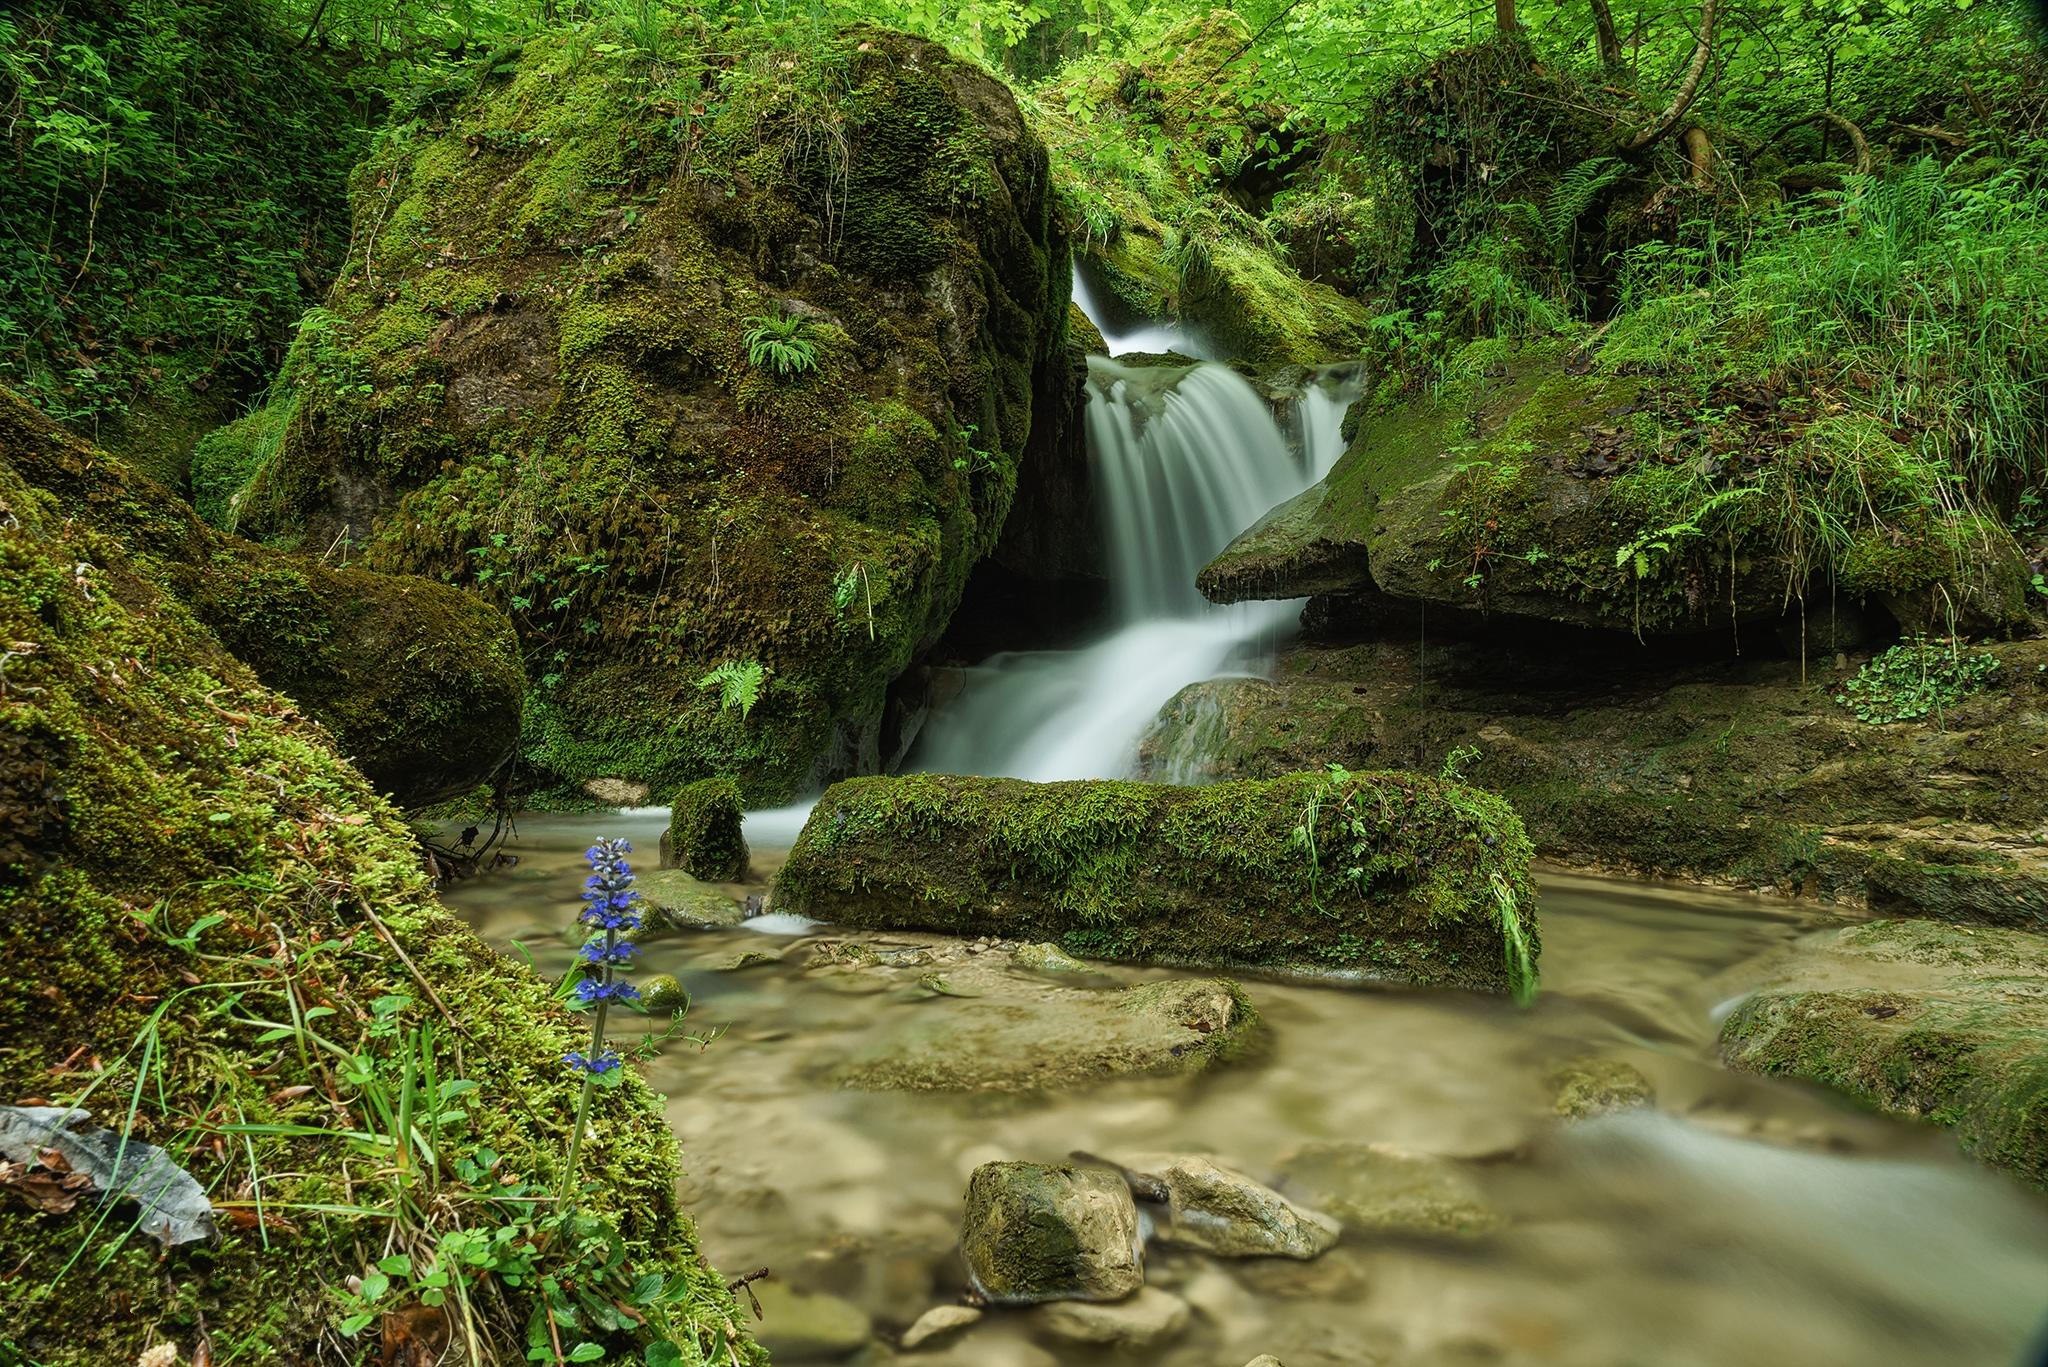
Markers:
{"x": 1576, "y": 190}
{"x": 739, "y": 684}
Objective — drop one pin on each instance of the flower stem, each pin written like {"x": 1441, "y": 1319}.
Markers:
{"x": 568, "y": 1192}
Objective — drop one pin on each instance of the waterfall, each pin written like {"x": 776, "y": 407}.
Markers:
{"x": 1153, "y": 337}
{"x": 1184, "y": 458}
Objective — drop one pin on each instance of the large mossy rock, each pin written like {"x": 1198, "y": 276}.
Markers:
{"x": 706, "y": 836}
{"x": 1037, "y": 1233}
{"x": 1943, "y": 1022}
{"x": 419, "y": 682}
{"x": 1541, "y": 488}
{"x": 1618, "y": 757}
{"x": 184, "y": 853}
{"x": 545, "y": 373}
{"x": 1212, "y": 875}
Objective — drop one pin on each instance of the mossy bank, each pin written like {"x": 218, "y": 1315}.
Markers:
{"x": 1407, "y": 878}
{"x": 687, "y": 361}
{"x": 186, "y": 859}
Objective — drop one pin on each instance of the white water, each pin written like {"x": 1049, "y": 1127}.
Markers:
{"x": 1184, "y": 460}
{"x": 1150, "y": 338}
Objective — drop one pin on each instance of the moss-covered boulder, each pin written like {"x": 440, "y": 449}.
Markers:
{"x": 419, "y": 683}
{"x": 1406, "y": 878}
{"x": 1616, "y": 756}
{"x": 688, "y": 363}
{"x": 1038, "y": 1233}
{"x": 185, "y": 857}
{"x": 1539, "y": 486}
{"x": 1944, "y": 1022}
{"x": 706, "y": 837}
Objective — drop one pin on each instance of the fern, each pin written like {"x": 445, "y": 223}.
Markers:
{"x": 778, "y": 343}
{"x": 738, "y": 683}
{"x": 1576, "y": 190}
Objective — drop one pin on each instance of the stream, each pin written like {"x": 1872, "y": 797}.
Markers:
{"x": 1742, "y": 1220}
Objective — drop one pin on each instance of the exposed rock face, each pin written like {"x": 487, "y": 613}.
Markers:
{"x": 1617, "y": 757}
{"x": 419, "y": 683}
{"x": 1540, "y": 491}
{"x": 143, "y": 765}
{"x": 1211, "y": 1208}
{"x": 1038, "y": 1233}
{"x": 740, "y": 395}
{"x": 1922, "y": 1019}
{"x": 1183, "y": 875}
{"x": 705, "y": 838}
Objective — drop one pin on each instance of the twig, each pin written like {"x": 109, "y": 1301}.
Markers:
{"x": 417, "y": 976}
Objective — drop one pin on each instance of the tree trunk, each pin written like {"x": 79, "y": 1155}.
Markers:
{"x": 1688, "y": 88}
{"x": 1605, "y": 38}
{"x": 1504, "y": 15}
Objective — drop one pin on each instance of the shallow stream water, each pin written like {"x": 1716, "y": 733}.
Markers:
{"x": 1741, "y": 1220}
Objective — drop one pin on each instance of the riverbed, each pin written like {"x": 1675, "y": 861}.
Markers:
{"x": 1738, "y": 1220}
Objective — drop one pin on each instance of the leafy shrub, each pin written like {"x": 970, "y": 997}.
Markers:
{"x": 1914, "y": 678}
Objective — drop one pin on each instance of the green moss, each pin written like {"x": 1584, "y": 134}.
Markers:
{"x": 1919, "y": 1019}
{"x": 704, "y": 838}
{"x": 1210, "y": 875}
{"x": 567, "y": 421}
{"x": 187, "y": 856}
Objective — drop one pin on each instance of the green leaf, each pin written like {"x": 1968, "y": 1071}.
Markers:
{"x": 374, "y": 1286}
{"x": 586, "y": 1352}
{"x": 398, "y": 1265}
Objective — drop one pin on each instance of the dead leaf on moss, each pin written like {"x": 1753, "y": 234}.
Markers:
{"x": 415, "y": 1337}
{"x": 48, "y": 1184}
{"x": 174, "y": 1206}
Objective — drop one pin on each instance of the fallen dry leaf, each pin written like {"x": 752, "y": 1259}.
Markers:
{"x": 48, "y": 1185}
{"x": 415, "y": 1337}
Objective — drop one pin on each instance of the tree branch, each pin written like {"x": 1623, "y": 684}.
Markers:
{"x": 1688, "y": 88}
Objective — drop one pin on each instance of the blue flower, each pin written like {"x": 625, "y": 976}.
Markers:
{"x": 609, "y": 905}
{"x": 605, "y": 1061}
{"x": 592, "y": 990}
{"x": 616, "y": 952}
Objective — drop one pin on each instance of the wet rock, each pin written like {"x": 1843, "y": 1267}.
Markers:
{"x": 1205, "y": 875}
{"x": 662, "y": 993}
{"x": 741, "y": 960}
{"x": 1383, "y": 1189}
{"x": 1599, "y": 1086}
{"x": 617, "y": 792}
{"x": 1149, "y": 1318}
{"x": 1211, "y": 1208}
{"x": 799, "y": 1326}
{"x": 987, "y": 1031}
{"x": 1920, "y": 1018}
{"x": 937, "y": 1322}
{"x": 704, "y": 837}
{"x": 1043, "y": 958}
{"x": 676, "y": 901}
{"x": 1039, "y": 1233}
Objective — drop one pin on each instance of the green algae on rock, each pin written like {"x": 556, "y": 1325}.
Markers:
{"x": 184, "y": 857}
{"x": 418, "y": 682}
{"x": 704, "y": 837}
{"x": 1948, "y": 1023}
{"x": 534, "y": 378}
{"x": 1213, "y": 875}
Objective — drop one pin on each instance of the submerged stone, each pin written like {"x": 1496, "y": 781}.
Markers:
{"x": 1149, "y": 1318}
{"x": 1039, "y": 1233}
{"x": 1587, "y": 1087}
{"x": 1947, "y": 1023}
{"x": 676, "y": 901}
{"x": 998, "y": 1038}
{"x": 1043, "y": 958}
{"x": 1408, "y": 878}
{"x": 802, "y": 1326}
{"x": 661, "y": 992}
{"x": 1211, "y": 1208}
{"x": 704, "y": 837}
{"x": 1384, "y": 1189}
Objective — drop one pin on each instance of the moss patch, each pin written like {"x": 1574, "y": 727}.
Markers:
{"x": 1927, "y": 1020}
{"x": 185, "y": 858}
{"x": 534, "y": 381}
{"x": 704, "y": 837}
{"x": 1199, "y": 875}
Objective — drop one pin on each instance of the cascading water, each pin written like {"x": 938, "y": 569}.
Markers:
{"x": 1184, "y": 460}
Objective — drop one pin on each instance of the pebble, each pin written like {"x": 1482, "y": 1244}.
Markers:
{"x": 1152, "y": 1316}
{"x": 940, "y": 1319}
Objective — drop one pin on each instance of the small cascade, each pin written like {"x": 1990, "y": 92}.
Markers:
{"x": 1152, "y": 338}
{"x": 1184, "y": 459}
